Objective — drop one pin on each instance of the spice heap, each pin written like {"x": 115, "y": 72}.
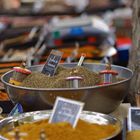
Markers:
{"x": 39, "y": 80}
{"x": 64, "y": 131}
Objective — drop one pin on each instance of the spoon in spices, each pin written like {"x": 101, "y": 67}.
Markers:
{"x": 81, "y": 60}
{"x": 74, "y": 81}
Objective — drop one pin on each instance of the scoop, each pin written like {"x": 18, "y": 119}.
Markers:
{"x": 81, "y": 59}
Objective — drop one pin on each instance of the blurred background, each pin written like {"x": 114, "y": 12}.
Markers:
{"x": 30, "y": 29}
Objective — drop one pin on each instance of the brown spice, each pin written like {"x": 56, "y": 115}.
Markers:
{"x": 39, "y": 80}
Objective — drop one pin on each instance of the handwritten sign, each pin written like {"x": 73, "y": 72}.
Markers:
{"x": 66, "y": 110}
{"x": 52, "y": 62}
{"x": 134, "y": 118}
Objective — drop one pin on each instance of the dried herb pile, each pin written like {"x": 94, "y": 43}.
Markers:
{"x": 39, "y": 80}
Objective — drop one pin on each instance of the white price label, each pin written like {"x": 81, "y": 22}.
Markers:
{"x": 66, "y": 110}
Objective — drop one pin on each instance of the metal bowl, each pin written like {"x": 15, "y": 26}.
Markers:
{"x": 104, "y": 99}
{"x": 92, "y": 117}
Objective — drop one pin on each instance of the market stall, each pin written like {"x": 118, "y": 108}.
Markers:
{"x": 63, "y": 68}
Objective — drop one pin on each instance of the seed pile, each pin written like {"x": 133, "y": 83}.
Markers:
{"x": 39, "y": 80}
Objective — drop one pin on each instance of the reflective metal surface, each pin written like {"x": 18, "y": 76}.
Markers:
{"x": 92, "y": 117}
{"x": 104, "y": 99}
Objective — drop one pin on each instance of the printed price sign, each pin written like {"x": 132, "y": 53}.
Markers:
{"x": 52, "y": 62}
{"x": 134, "y": 118}
{"x": 66, "y": 110}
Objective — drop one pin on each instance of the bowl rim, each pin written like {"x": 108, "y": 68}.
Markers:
{"x": 68, "y": 89}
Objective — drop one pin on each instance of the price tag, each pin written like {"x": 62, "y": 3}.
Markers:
{"x": 134, "y": 118}
{"x": 66, "y": 110}
{"x": 52, "y": 62}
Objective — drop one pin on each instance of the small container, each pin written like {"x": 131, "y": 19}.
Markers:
{"x": 19, "y": 75}
{"x": 108, "y": 75}
{"x": 74, "y": 81}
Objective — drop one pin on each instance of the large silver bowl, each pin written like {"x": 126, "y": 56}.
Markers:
{"x": 92, "y": 117}
{"x": 104, "y": 99}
